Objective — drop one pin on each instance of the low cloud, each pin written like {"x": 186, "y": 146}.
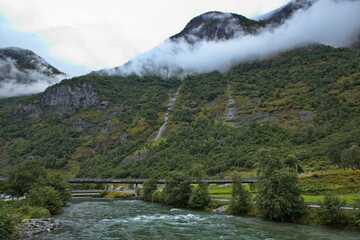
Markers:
{"x": 329, "y": 22}
{"x": 16, "y": 82}
{"x": 107, "y": 33}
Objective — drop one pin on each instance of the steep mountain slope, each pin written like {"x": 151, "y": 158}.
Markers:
{"x": 21, "y": 67}
{"x": 83, "y": 117}
{"x": 305, "y": 101}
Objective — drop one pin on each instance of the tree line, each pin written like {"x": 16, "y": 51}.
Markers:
{"x": 278, "y": 195}
{"x": 44, "y": 195}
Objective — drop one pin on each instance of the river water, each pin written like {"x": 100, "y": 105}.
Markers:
{"x": 116, "y": 219}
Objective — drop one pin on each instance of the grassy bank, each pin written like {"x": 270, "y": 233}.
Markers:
{"x": 307, "y": 198}
{"x": 314, "y": 185}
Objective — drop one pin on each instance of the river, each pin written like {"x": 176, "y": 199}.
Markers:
{"x": 115, "y": 219}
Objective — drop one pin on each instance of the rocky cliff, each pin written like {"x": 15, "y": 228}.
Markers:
{"x": 64, "y": 99}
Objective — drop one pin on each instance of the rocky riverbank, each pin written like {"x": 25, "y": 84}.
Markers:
{"x": 33, "y": 227}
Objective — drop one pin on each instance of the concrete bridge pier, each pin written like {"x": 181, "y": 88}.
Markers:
{"x": 135, "y": 189}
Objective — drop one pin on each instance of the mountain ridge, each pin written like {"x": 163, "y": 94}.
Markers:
{"x": 218, "y": 40}
{"x": 216, "y": 25}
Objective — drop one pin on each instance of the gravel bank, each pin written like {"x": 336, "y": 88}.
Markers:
{"x": 32, "y": 227}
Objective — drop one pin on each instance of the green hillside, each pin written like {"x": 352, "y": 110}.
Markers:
{"x": 304, "y": 102}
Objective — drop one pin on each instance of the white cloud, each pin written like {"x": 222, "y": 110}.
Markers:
{"x": 106, "y": 33}
{"x": 17, "y": 82}
{"x": 335, "y": 23}
{"x": 13, "y": 89}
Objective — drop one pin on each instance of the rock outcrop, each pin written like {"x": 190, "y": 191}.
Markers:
{"x": 221, "y": 209}
{"x": 69, "y": 97}
{"x": 64, "y": 99}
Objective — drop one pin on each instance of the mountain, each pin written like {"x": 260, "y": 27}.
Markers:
{"x": 285, "y": 12}
{"x": 170, "y": 58}
{"x": 218, "y": 40}
{"x": 21, "y": 67}
{"x": 304, "y": 101}
{"x": 216, "y": 26}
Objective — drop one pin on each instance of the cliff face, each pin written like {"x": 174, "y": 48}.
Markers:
{"x": 62, "y": 100}
{"x": 75, "y": 96}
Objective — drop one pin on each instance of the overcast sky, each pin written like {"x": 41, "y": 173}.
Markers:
{"x": 78, "y": 36}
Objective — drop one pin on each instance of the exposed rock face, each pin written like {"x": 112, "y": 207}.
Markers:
{"x": 82, "y": 124}
{"x": 298, "y": 116}
{"x": 62, "y": 99}
{"x": 123, "y": 138}
{"x": 305, "y": 115}
{"x": 66, "y": 97}
{"x": 135, "y": 157}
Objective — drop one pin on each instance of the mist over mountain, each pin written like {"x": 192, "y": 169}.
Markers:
{"x": 217, "y": 41}
{"x": 285, "y": 12}
{"x": 212, "y": 26}
{"x": 22, "y": 72}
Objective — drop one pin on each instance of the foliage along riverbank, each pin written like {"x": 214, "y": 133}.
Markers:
{"x": 278, "y": 195}
{"x": 45, "y": 196}
{"x": 329, "y": 214}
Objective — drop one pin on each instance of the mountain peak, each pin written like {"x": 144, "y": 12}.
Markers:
{"x": 283, "y": 13}
{"x": 216, "y": 25}
{"x": 21, "y": 67}
{"x": 26, "y": 59}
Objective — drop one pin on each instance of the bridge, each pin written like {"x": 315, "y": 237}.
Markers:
{"x": 86, "y": 193}
{"x": 141, "y": 181}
